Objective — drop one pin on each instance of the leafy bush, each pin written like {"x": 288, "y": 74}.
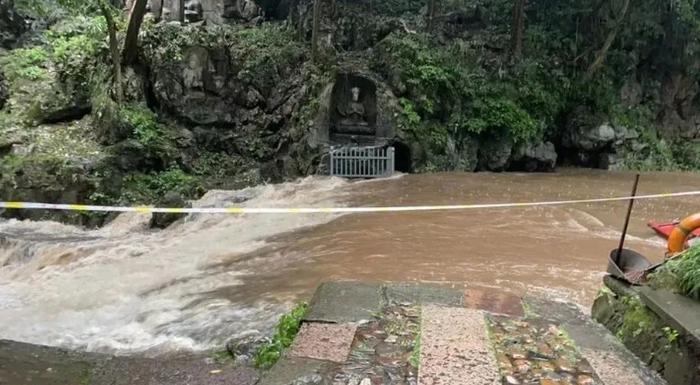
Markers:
{"x": 149, "y": 187}
{"x": 144, "y": 125}
{"x": 25, "y": 63}
{"x": 687, "y": 269}
{"x": 686, "y": 154}
{"x": 287, "y": 328}
{"x": 500, "y": 115}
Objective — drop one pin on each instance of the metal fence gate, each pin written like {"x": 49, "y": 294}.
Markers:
{"x": 362, "y": 162}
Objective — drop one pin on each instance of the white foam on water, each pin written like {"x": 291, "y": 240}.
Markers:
{"x": 125, "y": 289}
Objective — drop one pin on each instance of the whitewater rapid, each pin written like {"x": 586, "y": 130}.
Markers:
{"x": 125, "y": 288}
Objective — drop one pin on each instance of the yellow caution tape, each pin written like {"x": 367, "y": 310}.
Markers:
{"x": 317, "y": 210}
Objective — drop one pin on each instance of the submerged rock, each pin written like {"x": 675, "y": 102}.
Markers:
{"x": 243, "y": 349}
{"x": 170, "y": 200}
{"x": 311, "y": 379}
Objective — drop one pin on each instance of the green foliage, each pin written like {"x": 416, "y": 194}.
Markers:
{"x": 144, "y": 125}
{"x": 287, "y": 328}
{"x": 414, "y": 359}
{"x": 670, "y": 333}
{"x": 687, "y": 269}
{"x": 648, "y": 152}
{"x": 77, "y": 45}
{"x": 25, "y": 63}
{"x": 637, "y": 320}
{"x": 398, "y": 7}
{"x": 501, "y": 116}
{"x": 265, "y": 54}
{"x": 218, "y": 165}
{"x": 57, "y": 74}
{"x": 262, "y": 54}
{"x": 687, "y": 154}
{"x": 143, "y": 188}
{"x": 410, "y": 117}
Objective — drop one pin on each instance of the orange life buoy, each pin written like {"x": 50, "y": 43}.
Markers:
{"x": 676, "y": 241}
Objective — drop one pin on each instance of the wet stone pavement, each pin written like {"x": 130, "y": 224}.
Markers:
{"x": 416, "y": 334}
{"x": 382, "y": 350}
{"x": 532, "y": 352}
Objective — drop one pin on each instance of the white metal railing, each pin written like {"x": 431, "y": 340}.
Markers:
{"x": 362, "y": 162}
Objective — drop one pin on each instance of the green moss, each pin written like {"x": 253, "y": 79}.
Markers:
{"x": 144, "y": 126}
{"x": 414, "y": 359}
{"x": 86, "y": 377}
{"x": 285, "y": 331}
{"x": 262, "y": 54}
{"x": 637, "y": 320}
{"x": 25, "y": 63}
{"x": 55, "y": 75}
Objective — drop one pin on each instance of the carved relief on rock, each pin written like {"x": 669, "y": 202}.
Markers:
{"x": 196, "y": 60}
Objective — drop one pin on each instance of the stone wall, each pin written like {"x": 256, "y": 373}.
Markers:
{"x": 662, "y": 333}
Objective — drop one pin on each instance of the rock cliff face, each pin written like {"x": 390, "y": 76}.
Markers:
{"x": 12, "y": 24}
{"x": 3, "y": 90}
{"x": 230, "y": 97}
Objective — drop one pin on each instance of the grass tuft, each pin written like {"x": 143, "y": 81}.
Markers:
{"x": 287, "y": 328}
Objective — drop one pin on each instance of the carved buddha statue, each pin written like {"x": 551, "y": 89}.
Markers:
{"x": 192, "y": 72}
{"x": 353, "y": 115}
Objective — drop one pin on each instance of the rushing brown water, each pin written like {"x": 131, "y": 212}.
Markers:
{"x": 206, "y": 279}
{"x": 555, "y": 251}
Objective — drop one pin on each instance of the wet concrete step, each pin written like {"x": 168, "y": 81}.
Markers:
{"x": 455, "y": 348}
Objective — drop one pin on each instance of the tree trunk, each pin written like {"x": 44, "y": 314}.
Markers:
{"x": 316, "y": 30}
{"x": 516, "y": 45}
{"x": 609, "y": 40}
{"x": 138, "y": 10}
{"x": 181, "y": 11}
{"x": 114, "y": 50}
{"x": 431, "y": 14}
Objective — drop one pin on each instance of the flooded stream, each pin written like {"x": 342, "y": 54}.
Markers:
{"x": 127, "y": 289}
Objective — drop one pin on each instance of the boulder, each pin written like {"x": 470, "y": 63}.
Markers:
{"x": 12, "y": 24}
{"x": 243, "y": 349}
{"x": 539, "y": 156}
{"x": 590, "y": 138}
{"x": 47, "y": 100}
{"x": 170, "y": 200}
{"x": 466, "y": 155}
{"x": 610, "y": 161}
{"x": 494, "y": 154}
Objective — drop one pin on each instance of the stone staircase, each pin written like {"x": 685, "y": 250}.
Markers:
{"x": 406, "y": 334}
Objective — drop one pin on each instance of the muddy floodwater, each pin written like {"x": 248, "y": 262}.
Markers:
{"x": 207, "y": 278}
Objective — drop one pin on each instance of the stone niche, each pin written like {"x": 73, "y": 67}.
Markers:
{"x": 353, "y": 110}
{"x": 210, "y": 11}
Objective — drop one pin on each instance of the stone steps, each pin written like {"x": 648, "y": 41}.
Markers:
{"x": 455, "y": 348}
{"x": 466, "y": 338}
